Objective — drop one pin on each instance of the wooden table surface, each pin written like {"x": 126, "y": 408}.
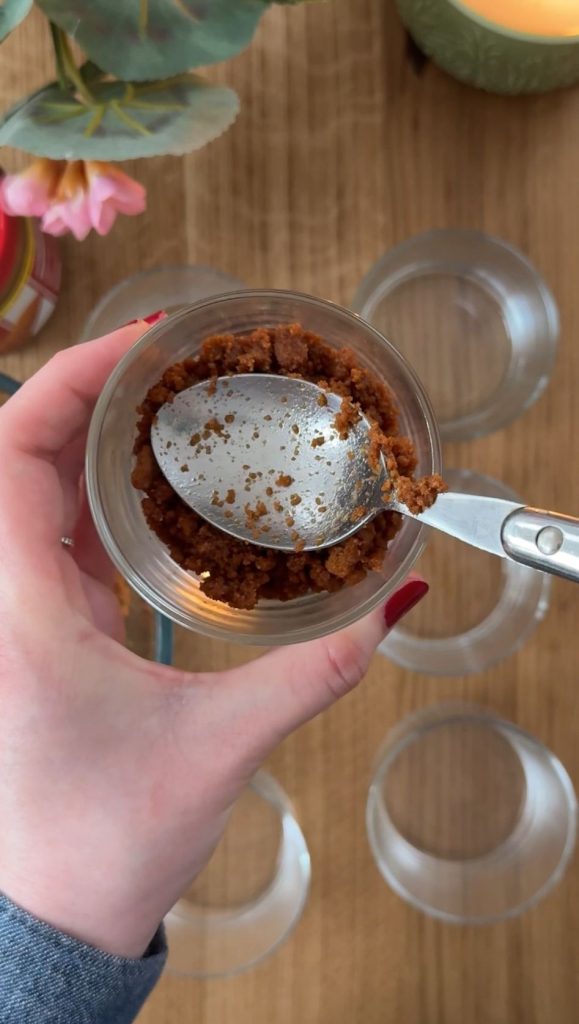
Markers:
{"x": 342, "y": 150}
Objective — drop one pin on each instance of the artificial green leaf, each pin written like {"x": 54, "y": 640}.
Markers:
{"x": 127, "y": 120}
{"x": 149, "y": 39}
{"x": 91, "y": 72}
{"x": 11, "y": 14}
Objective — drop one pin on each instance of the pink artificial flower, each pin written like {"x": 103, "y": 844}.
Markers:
{"x": 30, "y": 193}
{"x": 74, "y": 196}
{"x": 68, "y": 210}
{"x": 110, "y": 192}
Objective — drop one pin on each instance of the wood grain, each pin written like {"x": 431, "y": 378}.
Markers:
{"x": 341, "y": 151}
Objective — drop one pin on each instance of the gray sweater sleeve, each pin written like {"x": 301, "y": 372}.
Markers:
{"x": 47, "y": 977}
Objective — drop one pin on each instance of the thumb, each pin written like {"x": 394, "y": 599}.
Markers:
{"x": 290, "y": 685}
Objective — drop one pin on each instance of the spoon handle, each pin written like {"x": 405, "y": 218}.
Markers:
{"x": 543, "y": 540}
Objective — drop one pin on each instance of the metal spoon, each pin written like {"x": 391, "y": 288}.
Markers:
{"x": 259, "y": 456}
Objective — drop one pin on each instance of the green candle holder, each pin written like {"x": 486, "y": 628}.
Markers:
{"x": 489, "y": 56}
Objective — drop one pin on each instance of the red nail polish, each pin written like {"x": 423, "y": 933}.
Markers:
{"x": 404, "y": 600}
{"x": 151, "y": 319}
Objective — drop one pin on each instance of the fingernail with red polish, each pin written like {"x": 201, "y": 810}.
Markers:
{"x": 154, "y": 317}
{"x": 404, "y": 600}
{"x": 151, "y": 319}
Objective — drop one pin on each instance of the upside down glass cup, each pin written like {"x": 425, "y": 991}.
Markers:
{"x": 248, "y": 899}
{"x": 116, "y": 505}
{"x": 164, "y": 287}
{"x": 251, "y": 895}
{"x": 475, "y": 318}
{"x": 470, "y": 819}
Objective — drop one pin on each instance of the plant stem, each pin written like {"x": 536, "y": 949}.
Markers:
{"x": 58, "y": 58}
{"x": 94, "y": 121}
{"x": 184, "y": 10}
{"x": 143, "y": 18}
{"x": 129, "y": 121}
{"x": 72, "y": 71}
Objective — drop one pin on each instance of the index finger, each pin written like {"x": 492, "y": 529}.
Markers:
{"x": 52, "y": 408}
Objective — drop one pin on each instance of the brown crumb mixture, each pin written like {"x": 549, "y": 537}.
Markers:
{"x": 400, "y": 459}
{"x": 213, "y": 427}
{"x": 359, "y": 512}
{"x": 252, "y": 515}
{"x": 284, "y": 480}
{"x": 347, "y": 417}
{"x": 239, "y": 573}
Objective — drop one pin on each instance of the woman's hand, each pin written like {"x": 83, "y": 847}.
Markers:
{"x": 116, "y": 774}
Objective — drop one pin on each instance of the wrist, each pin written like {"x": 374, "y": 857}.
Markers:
{"x": 92, "y": 914}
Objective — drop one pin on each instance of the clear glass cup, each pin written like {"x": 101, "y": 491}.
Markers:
{"x": 116, "y": 505}
{"x": 166, "y": 287}
{"x": 474, "y": 318}
{"x": 470, "y": 819}
{"x": 487, "y": 607}
{"x": 250, "y": 897}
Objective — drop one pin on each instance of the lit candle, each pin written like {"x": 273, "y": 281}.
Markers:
{"x": 506, "y": 46}
{"x": 557, "y": 19}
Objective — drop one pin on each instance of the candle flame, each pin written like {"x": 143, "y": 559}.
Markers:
{"x": 557, "y": 19}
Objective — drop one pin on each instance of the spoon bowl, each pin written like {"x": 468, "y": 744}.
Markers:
{"x": 261, "y": 457}
{"x": 267, "y": 459}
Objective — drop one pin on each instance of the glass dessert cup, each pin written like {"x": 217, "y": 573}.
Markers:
{"x": 491, "y": 608}
{"x": 470, "y": 819}
{"x": 250, "y": 897}
{"x": 164, "y": 287}
{"x": 116, "y": 506}
{"x": 474, "y": 317}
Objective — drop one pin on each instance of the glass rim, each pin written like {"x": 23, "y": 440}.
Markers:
{"x": 292, "y": 837}
{"x": 133, "y": 575}
{"x": 411, "y": 729}
{"x": 453, "y": 654}
{"x": 395, "y": 267}
{"x": 117, "y": 289}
